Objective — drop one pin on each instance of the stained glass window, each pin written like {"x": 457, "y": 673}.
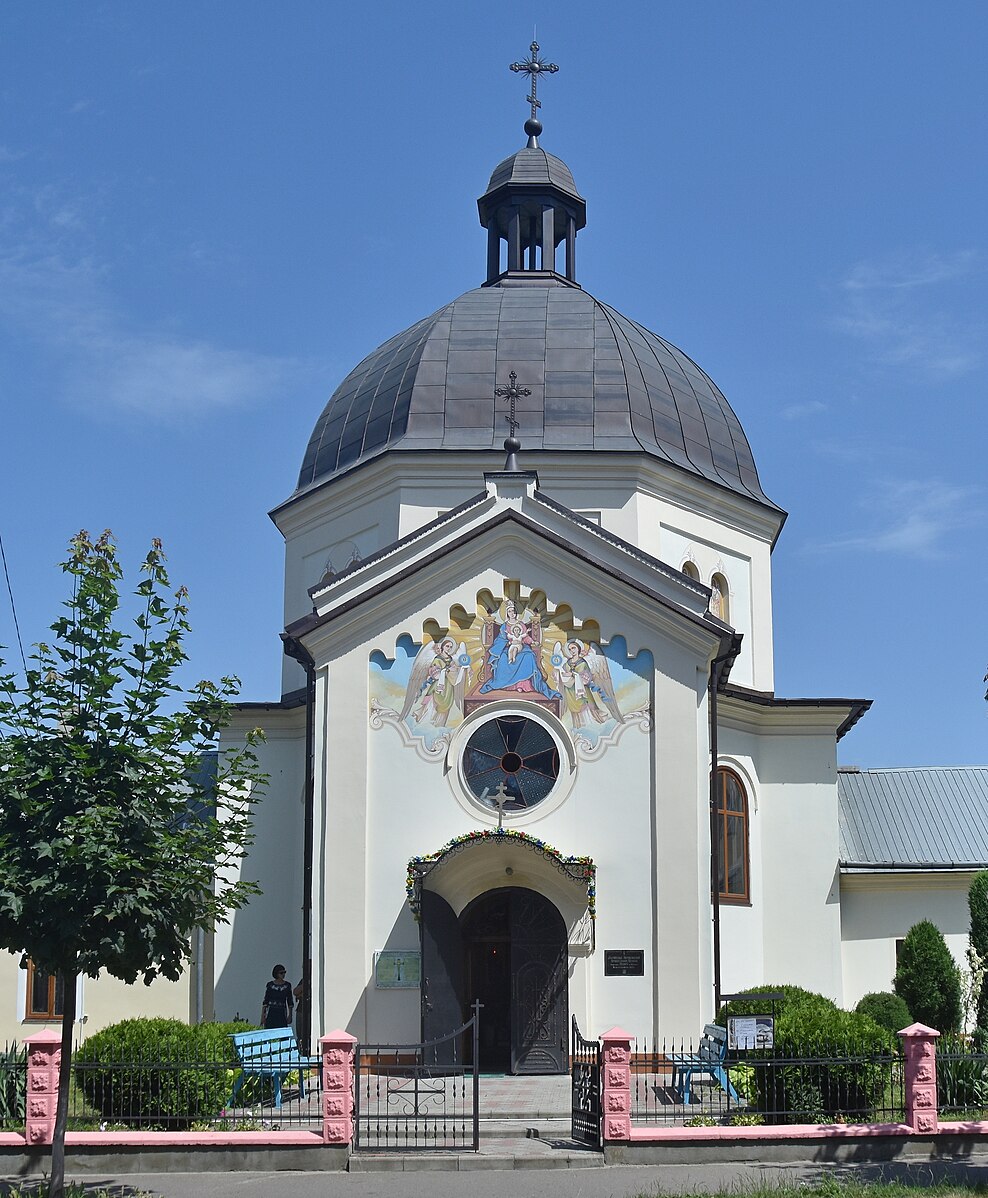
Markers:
{"x": 516, "y": 753}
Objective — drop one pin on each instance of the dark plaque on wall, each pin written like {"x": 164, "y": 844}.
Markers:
{"x": 624, "y": 962}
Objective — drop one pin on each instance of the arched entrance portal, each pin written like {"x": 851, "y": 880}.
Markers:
{"x": 507, "y": 949}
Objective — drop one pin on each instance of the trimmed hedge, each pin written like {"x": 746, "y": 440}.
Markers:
{"x": 158, "y": 1072}
{"x": 808, "y": 1025}
{"x": 888, "y": 1010}
{"x": 928, "y": 979}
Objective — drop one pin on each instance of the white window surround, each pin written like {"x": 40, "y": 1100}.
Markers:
{"x": 567, "y": 762}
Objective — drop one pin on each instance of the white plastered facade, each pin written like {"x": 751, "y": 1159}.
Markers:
{"x": 641, "y": 811}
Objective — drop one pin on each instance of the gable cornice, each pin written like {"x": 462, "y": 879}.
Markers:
{"x": 647, "y": 583}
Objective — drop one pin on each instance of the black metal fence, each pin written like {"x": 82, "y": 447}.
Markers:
{"x": 164, "y": 1088}
{"x": 419, "y": 1096}
{"x": 13, "y": 1085}
{"x": 962, "y": 1081}
{"x": 585, "y": 1126}
{"x": 671, "y": 1083}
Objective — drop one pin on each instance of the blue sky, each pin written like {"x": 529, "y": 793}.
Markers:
{"x": 209, "y": 212}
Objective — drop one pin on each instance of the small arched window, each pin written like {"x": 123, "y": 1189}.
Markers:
{"x": 690, "y": 570}
{"x": 720, "y": 598}
{"x": 732, "y": 828}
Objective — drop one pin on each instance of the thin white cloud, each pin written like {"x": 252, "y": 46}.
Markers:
{"x": 905, "y": 312}
{"x": 52, "y": 292}
{"x": 914, "y": 518}
{"x": 920, "y": 268}
{"x": 798, "y": 411}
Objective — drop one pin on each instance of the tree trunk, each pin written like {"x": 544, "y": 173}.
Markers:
{"x": 57, "y": 1185}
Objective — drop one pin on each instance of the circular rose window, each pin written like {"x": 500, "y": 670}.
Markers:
{"x": 513, "y": 753}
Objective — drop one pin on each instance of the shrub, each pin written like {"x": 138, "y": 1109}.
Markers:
{"x": 888, "y": 1010}
{"x": 13, "y": 1081}
{"x": 977, "y": 902}
{"x": 928, "y": 980}
{"x": 962, "y": 1078}
{"x": 148, "y": 1072}
{"x": 836, "y": 1073}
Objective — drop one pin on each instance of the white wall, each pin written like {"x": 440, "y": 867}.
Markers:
{"x": 791, "y": 932}
{"x": 878, "y": 909}
{"x": 268, "y": 930}
{"x": 100, "y": 1001}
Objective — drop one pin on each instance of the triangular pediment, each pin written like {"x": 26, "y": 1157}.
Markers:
{"x": 519, "y": 532}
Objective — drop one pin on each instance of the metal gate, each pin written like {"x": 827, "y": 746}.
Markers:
{"x": 586, "y": 1088}
{"x": 409, "y": 1096}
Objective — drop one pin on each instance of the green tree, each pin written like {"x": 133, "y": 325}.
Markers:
{"x": 977, "y": 902}
{"x": 110, "y": 859}
{"x": 928, "y": 980}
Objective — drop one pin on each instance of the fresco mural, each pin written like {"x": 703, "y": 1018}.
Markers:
{"x": 511, "y": 649}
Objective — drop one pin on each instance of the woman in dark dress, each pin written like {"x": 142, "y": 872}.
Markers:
{"x": 278, "y": 1005}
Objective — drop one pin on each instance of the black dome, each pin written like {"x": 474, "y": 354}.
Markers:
{"x": 532, "y": 165}
{"x": 598, "y": 382}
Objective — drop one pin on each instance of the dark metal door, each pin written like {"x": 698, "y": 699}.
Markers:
{"x": 539, "y": 1016}
{"x": 442, "y": 971}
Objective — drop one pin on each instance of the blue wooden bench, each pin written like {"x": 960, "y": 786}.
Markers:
{"x": 270, "y": 1052}
{"x": 708, "y": 1059}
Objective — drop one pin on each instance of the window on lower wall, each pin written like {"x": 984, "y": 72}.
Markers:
{"x": 732, "y": 818}
{"x": 45, "y": 994}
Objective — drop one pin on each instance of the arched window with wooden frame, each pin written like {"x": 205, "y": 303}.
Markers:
{"x": 732, "y": 829}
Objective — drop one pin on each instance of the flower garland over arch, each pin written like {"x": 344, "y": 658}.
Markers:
{"x": 577, "y": 869}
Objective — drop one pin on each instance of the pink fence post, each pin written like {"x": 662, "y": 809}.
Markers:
{"x": 919, "y": 1048}
{"x": 337, "y": 1087}
{"x": 615, "y": 1085}
{"x": 44, "y": 1057}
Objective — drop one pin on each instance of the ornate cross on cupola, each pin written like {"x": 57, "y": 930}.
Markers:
{"x": 535, "y": 66}
{"x": 512, "y": 393}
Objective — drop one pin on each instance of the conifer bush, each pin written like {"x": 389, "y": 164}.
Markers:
{"x": 158, "y": 1072}
{"x": 928, "y": 980}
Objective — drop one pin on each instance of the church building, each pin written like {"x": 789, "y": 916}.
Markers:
{"x": 528, "y": 708}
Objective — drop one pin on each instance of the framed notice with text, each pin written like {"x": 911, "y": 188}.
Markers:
{"x": 750, "y": 1031}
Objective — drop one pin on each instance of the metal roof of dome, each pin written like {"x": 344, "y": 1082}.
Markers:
{"x": 598, "y": 382}
{"x": 532, "y": 165}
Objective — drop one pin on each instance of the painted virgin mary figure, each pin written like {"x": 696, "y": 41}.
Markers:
{"x": 513, "y": 655}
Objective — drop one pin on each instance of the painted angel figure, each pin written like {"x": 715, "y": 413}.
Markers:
{"x": 437, "y": 683}
{"x": 582, "y": 674}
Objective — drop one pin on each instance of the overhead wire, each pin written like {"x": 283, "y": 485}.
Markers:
{"x": 13, "y": 607}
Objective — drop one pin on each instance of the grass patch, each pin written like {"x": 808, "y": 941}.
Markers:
{"x": 73, "y": 1189}
{"x": 833, "y": 1188}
